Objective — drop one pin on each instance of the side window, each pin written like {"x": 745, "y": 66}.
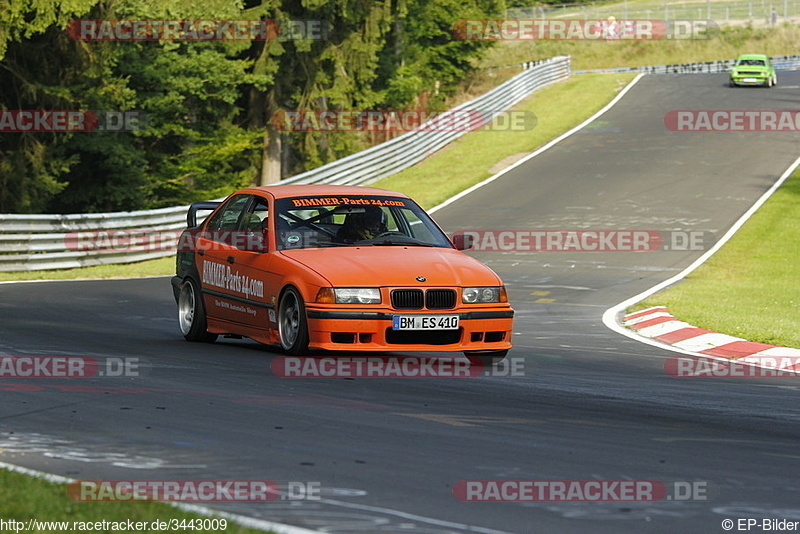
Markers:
{"x": 418, "y": 229}
{"x": 257, "y": 216}
{"x": 227, "y": 219}
{"x": 391, "y": 221}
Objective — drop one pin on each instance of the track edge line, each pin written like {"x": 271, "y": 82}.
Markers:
{"x": 250, "y": 522}
{"x": 541, "y": 149}
{"x": 611, "y": 317}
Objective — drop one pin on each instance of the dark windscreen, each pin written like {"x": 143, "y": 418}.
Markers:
{"x": 327, "y": 221}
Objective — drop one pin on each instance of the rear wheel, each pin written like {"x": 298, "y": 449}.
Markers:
{"x": 486, "y": 359}
{"x": 769, "y": 82}
{"x": 292, "y": 322}
{"x": 192, "y": 313}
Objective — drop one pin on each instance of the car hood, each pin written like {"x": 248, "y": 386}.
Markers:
{"x": 395, "y": 266}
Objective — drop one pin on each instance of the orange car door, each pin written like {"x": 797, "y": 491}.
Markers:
{"x": 216, "y": 255}
{"x": 252, "y": 279}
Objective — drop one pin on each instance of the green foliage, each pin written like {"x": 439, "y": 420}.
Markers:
{"x": 22, "y": 19}
{"x": 337, "y": 72}
{"x": 208, "y": 103}
{"x": 422, "y": 54}
{"x": 740, "y": 35}
{"x": 192, "y": 143}
{"x": 29, "y": 174}
{"x": 32, "y": 164}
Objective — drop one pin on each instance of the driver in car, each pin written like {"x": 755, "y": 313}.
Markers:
{"x": 366, "y": 225}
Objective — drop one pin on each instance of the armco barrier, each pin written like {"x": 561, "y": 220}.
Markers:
{"x": 38, "y": 242}
{"x": 404, "y": 151}
{"x": 703, "y": 67}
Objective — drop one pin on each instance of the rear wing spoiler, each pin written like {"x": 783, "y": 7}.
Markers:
{"x": 191, "y": 216}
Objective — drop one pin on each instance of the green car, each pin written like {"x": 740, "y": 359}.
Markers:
{"x": 753, "y": 69}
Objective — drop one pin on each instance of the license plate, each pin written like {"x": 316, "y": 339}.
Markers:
{"x": 425, "y": 322}
{"x": 750, "y": 80}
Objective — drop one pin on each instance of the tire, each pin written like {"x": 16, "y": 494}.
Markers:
{"x": 292, "y": 323}
{"x": 486, "y": 359}
{"x": 769, "y": 83}
{"x": 732, "y": 83}
{"x": 192, "y": 313}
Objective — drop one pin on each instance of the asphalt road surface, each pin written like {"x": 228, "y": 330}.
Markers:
{"x": 387, "y": 453}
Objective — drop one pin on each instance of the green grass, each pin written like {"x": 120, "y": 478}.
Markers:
{"x": 23, "y": 497}
{"x": 159, "y": 267}
{"x": 475, "y": 156}
{"x": 728, "y": 44}
{"x": 749, "y": 287}
{"x": 718, "y": 11}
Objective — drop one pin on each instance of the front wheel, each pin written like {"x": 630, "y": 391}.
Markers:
{"x": 192, "y": 313}
{"x": 486, "y": 359}
{"x": 292, "y": 323}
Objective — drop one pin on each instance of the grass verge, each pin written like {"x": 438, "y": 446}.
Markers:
{"x": 726, "y": 44}
{"x": 476, "y": 156}
{"x": 159, "y": 267}
{"x": 23, "y": 497}
{"x": 749, "y": 287}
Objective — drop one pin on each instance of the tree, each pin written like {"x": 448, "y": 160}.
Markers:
{"x": 208, "y": 105}
{"x": 31, "y": 164}
{"x": 193, "y": 145}
{"x": 423, "y": 54}
{"x": 334, "y": 72}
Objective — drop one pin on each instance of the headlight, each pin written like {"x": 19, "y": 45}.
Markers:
{"x": 473, "y": 295}
{"x": 349, "y": 295}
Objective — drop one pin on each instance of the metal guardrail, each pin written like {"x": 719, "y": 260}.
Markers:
{"x": 39, "y": 242}
{"x": 404, "y": 151}
{"x": 705, "y": 67}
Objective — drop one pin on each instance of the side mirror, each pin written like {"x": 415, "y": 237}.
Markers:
{"x": 463, "y": 240}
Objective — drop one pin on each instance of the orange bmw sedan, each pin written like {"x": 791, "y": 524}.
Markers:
{"x": 339, "y": 268}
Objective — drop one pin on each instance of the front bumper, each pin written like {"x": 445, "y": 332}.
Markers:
{"x": 483, "y": 329}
